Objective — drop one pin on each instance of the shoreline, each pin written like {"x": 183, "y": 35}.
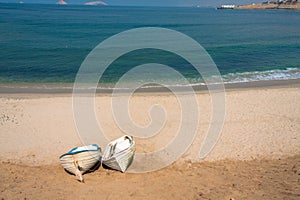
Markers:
{"x": 66, "y": 89}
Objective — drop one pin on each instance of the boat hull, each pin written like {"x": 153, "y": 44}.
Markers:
{"x": 82, "y": 160}
{"x": 119, "y": 161}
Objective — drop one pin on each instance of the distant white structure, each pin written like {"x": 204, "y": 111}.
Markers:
{"x": 96, "y": 3}
{"x": 62, "y": 2}
{"x": 227, "y": 6}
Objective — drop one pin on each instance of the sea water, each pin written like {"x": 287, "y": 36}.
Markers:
{"x": 46, "y": 44}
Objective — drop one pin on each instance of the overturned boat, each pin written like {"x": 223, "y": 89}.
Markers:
{"x": 81, "y": 159}
{"x": 119, "y": 153}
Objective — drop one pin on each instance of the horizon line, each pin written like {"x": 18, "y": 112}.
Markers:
{"x": 108, "y": 5}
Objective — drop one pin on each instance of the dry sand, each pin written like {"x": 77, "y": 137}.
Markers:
{"x": 257, "y": 155}
{"x": 256, "y": 179}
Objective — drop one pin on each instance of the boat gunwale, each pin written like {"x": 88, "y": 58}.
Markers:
{"x": 119, "y": 153}
{"x": 86, "y": 150}
{"x": 124, "y": 151}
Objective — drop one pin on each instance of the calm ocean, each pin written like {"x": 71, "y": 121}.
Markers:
{"x": 43, "y": 44}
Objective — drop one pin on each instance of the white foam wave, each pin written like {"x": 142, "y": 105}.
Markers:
{"x": 286, "y": 74}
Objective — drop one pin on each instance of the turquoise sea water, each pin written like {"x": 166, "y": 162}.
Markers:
{"x": 47, "y": 43}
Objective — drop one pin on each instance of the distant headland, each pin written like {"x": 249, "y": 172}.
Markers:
{"x": 91, "y": 3}
{"x": 62, "y": 2}
{"x": 96, "y": 3}
{"x": 272, "y": 4}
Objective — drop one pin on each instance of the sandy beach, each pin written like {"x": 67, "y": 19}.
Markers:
{"x": 256, "y": 157}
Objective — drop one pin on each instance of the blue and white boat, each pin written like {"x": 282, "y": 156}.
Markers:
{"x": 81, "y": 159}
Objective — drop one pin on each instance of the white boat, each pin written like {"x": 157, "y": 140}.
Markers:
{"x": 81, "y": 159}
{"x": 119, "y": 153}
